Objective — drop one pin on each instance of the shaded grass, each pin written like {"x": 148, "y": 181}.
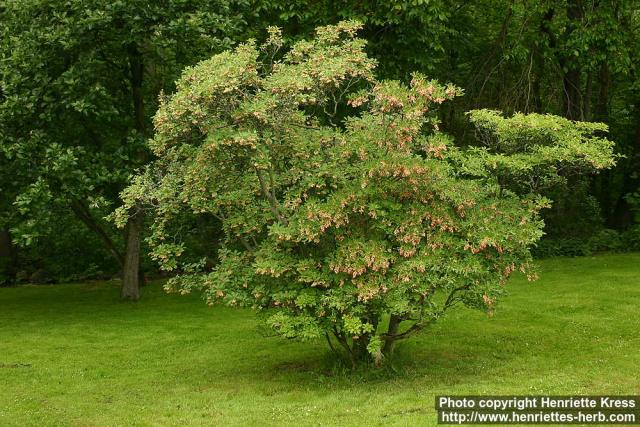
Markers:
{"x": 76, "y": 355}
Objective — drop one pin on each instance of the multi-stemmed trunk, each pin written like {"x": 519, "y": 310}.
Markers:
{"x": 356, "y": 350}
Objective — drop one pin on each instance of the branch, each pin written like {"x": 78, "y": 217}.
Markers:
{"x": 413, "y": 329}
{"x": 326, "y": 335}
{"x": 273, "y": 202}
{"x": 343, "y": 341}
{"x": 450, "y": 299}
{"x": 246, "y": 244}
{"x": 244, "y": 241}
{"x": 84, "y": 215}
{"x": 419, "y": 325}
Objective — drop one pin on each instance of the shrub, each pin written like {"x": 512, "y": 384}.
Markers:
{"x": 605, "y": 240}
{"x": 631, "y": 238}
{"x": 567, "y": 246}
{"x": 347, "y": 214}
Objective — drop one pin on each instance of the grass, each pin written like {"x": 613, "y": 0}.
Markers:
{"x": 76, "y": 355}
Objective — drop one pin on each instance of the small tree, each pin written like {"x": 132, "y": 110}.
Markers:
{"x": 347, "y": 213}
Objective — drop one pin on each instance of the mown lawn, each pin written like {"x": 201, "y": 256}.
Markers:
{"x": 75, "y": 355}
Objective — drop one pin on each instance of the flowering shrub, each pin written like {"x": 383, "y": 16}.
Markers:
{"x": 347, "y": 213}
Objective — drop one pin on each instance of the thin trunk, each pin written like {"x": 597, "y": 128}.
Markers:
{"x": 359, "y": 347}
{"x": 602, "y": 182}
{"x": 342, "y": 340}
{"x": 536, "y": 85}
{"x": 491, "y": 63}
{"x": 572, "y": 95}
{"x": 601, "y": 110}
{"x": 539, "y": 58}
{"x": 390, "y": 342}
{"x": 269, "y": 194}
{"x": 586, "y": 103}
{"x": 131, "y": 272}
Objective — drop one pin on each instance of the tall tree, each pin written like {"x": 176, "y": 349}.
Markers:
{"x": 80, "y": 80}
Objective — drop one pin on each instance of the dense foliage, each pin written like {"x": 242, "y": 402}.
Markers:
{"x": 347, "y": 213}
{"x": 574, "y": 58}
{"x": 79, "y": 82}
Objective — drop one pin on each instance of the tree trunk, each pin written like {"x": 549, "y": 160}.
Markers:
{"x": 572, "y": 95}
{"x": 536, "y": 83}
{"x": 586, "y": 101}
{"x": 603, "y": 182}
{"x": 539, "y": 59}
{"x": 390, "y": 342}
{"x": 131, "y": 274}
{"x": 601, "y": 111}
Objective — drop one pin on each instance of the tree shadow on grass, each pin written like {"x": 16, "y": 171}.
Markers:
{"x": 452, "y": 353}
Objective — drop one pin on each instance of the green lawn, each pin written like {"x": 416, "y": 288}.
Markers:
{"x": 75, "y": 355}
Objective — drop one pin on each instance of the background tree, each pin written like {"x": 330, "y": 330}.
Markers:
{"x": 80, "y": 81}
{"x": 404, "y": 35}
{"x": 574, "y": 58}
{"x": 70, "y": 134}
{"x": 360, "y": 225}
{"x": 571, "y": 58}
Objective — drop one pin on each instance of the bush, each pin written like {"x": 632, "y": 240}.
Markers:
{"x": 631, "y": 238}
{"x": 569, "y": 246}
{"x": 604, "y": 240}
{"x": 347, "y": 214}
